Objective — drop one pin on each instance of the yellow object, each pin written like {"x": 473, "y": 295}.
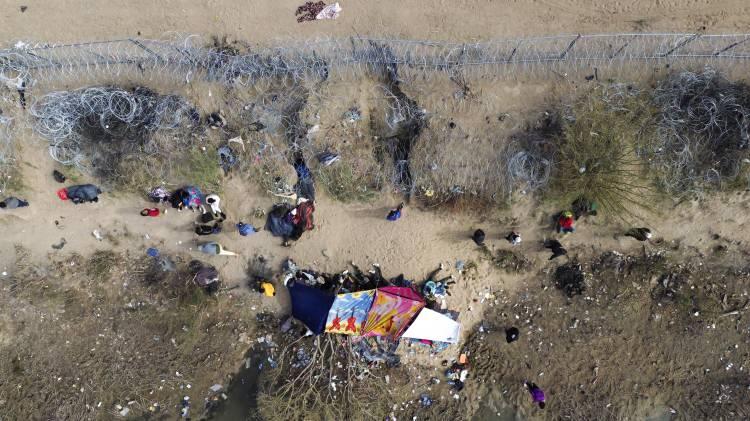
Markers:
{"x": 268, "y": 289}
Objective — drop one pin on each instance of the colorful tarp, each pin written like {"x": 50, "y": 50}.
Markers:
{"x": 391, "y": 311}
{"x": 433, "y": 326}
{"x": 349, "y": 312}
{"x": 310, "y": 306}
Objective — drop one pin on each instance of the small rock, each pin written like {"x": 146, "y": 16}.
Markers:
{"x": 24, "y": 8}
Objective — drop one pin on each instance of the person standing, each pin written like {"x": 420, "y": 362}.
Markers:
{"x": 13, "y": 203}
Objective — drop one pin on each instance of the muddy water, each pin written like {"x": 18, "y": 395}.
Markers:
{"x": 242, "y": 393}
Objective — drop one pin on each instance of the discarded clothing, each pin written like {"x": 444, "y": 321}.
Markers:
{"x": 208, "y": 229}
{"x": 640, "y": 234}
{"x": 331, "y": 11}
{"x": 206, "y": 276}
{"x": 227, "y": 158}
{"x": 305, "y": 186}
{"x": 58, "y": 176}
{"x": 478, "y": 237}
{"x": 328, "y": 158}
{"x": 309, "y": 11}
{"x": 394, "y": 215}
{"x": 159, "y": 194}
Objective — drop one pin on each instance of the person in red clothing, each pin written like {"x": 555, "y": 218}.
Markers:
{"x": 565, "y": 222}
{"x": 150, "y": 212}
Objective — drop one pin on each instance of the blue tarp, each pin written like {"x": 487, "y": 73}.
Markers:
{"x": 310, "y": 306}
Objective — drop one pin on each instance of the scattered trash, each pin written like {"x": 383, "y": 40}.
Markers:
{"x": 152, "y": 252}
{"x": 460, "y": 265}
{"x": 353, "y": 114}
{"x": 124, "y": 412}
{"x": 24, "y": 8}
{"x": 97, "y": 234}
{"x": 331, "y": 11}
{"x": 425, "y": 400}
{"x": 328, "y": 158}
{"x": 215, "y": 249}
{"x": 215, "y": 388}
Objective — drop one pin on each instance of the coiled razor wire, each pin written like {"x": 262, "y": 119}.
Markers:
{"x": 702, "y": 133}
{"x": 72, "y": 120}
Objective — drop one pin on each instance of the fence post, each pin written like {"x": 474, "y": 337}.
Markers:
{"x": 681, "y": 44}
{"x": 570, "y": 46}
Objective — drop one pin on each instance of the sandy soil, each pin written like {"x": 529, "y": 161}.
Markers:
{"x": 421, "y": 240}
{"x": 264, "y": 21}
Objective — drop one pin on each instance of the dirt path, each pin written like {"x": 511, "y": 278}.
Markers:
{"x": 265, "y": 21}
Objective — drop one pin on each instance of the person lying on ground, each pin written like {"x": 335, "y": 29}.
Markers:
{"x": 556, "y": 247}
{"x": 13, "y": 203}
{"x": 83, "y": 193}
{"x": 640, "y": 234}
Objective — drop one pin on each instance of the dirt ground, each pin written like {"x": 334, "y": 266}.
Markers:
{"x": 424, "y": 238}
{"x": 266, "y": 21}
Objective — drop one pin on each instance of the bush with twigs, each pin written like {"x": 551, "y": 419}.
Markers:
{"x": 596, "y": 156}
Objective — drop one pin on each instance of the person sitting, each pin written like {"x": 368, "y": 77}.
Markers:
{"x": 395, "y": 214}
{"x": 565, "y": 223}
{"x": 514, "y": 238}
{"x": 478, "y": 237}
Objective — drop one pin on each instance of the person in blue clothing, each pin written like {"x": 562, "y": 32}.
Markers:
{"x": 395, "y": 214}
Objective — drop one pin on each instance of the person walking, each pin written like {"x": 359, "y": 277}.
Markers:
{"x": 537, "y": 394}
{"x": 13, "y": 203}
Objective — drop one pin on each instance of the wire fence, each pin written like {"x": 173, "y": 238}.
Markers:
{"x": 190, "y": 58}
{"x": 284, "y": 81}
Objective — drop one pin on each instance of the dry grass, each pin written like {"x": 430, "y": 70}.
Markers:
{"x": 622, "y": 346}
{"x": 82, "y": 343}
